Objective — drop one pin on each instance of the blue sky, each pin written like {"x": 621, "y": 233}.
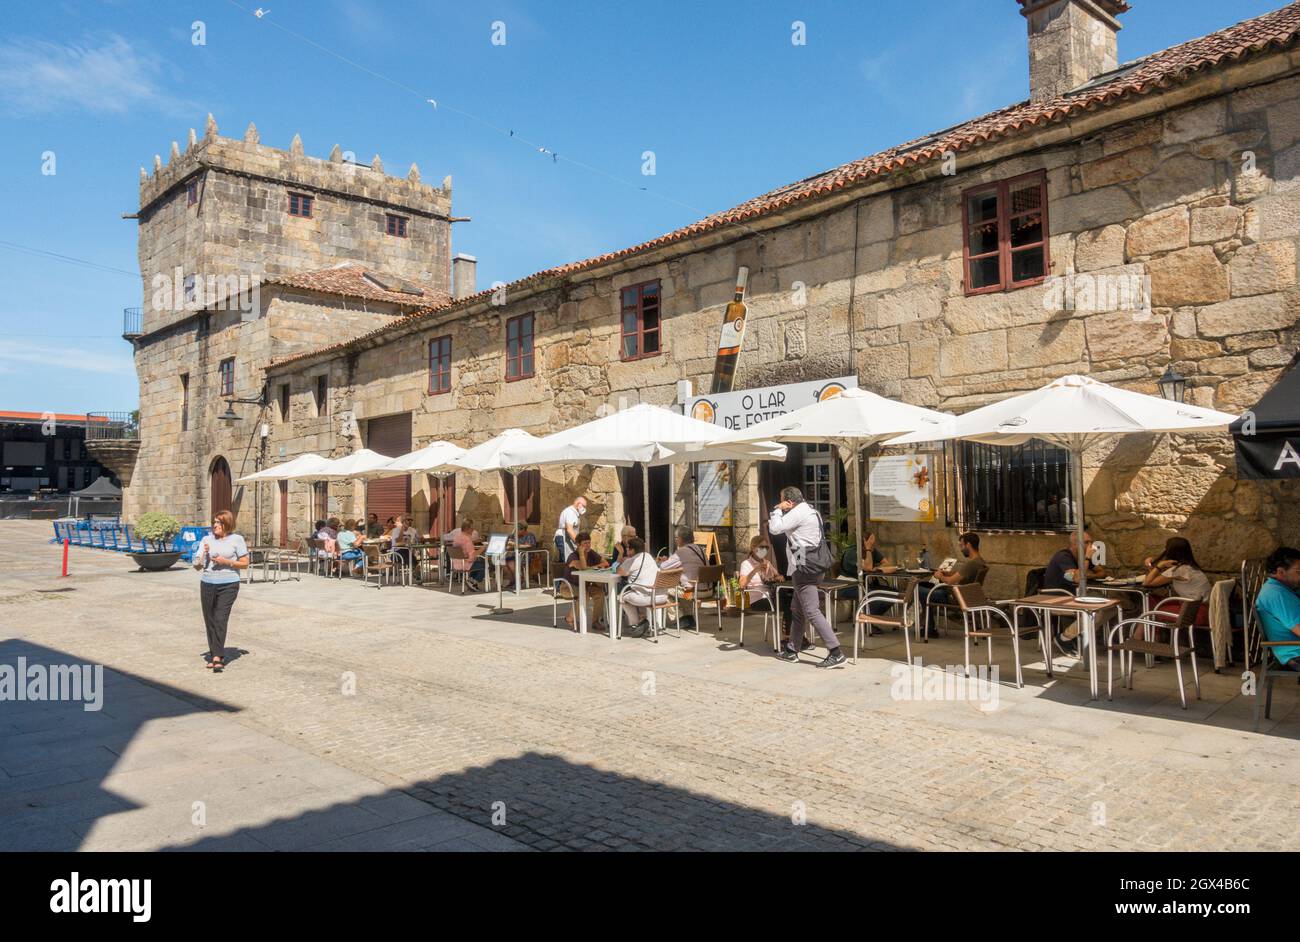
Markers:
{"x": 717, "y": 90}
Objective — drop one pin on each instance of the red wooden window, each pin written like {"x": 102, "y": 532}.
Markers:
{"x": 439, "y": 365}
{"x": 1006, "y": 234}
{"x": 397, "y": 226}
{"x": 191, "y": 192}
{"x": 226, "y": 372}
{"x": 300, "y": 204}
{"x": 640, "y": 319}
{"x": 530, "y": 493}
{"x": 519, "y": 347}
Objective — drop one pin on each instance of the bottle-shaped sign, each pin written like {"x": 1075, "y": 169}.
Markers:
{"x": 733, "y": 334}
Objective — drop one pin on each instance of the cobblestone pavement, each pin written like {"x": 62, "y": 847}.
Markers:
{"x": 560, "y": 741}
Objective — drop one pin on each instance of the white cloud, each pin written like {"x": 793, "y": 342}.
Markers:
{"x": 14, "y": 356}
{"x": 41, "y": 77}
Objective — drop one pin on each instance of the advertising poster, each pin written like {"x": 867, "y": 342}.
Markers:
{"x": 714, "y": 483}
{"x": 901, "y": 489}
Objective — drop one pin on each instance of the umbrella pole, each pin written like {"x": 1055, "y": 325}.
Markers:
{"x": 1077, "y": 474}
{"x": 514, "y": 482}
{"x": 857, "y": 508}
{"x": 645, "y": 500}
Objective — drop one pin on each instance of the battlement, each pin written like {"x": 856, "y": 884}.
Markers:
{"x": 334, "y": 174}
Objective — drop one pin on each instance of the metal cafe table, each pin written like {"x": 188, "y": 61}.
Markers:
{"x": 1087, "y": 612}
{"x": 609, "y": 579}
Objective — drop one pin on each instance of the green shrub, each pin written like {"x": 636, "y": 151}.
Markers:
{"x": 157, "y": 530}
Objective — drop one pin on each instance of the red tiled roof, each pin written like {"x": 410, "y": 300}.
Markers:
{"x": 356, "y": 281}
{"x": 1160, "y": 70}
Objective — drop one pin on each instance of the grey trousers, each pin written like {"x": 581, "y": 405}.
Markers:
{"x": 806, "y": 607}
{"x": 216, "y": 600}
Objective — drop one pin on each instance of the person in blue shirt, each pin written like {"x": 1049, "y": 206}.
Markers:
{"x": 221, "y": 554}
{"x": 1278, "y": 604}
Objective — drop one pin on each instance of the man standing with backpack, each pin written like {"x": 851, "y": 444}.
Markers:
{"x": 809, "y": 559}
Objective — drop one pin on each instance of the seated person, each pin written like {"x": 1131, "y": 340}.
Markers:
{"x": 388, "y": 528}
{"x": 1063, "y": 573}
{"x": 1177, "y": 569}
{"x": 622, "y": 549}
{"x": 528, "y": 541}
{"x": 970, "y": 569}
{"x": 758, "y": 579}
{"x": 347, "y": 544}
{"x": 1063, "y": 568}
{"x": 872, "y": 558}
{"x": 1278, "y": 605}
{"x": 473, "y": 563}
{"x": 373, "y": 527}
{"x": 584, "y": 557}
{"x": 688, "y": 559}
{"x": 641, "y": 571}
{"x": 323, "y": 531}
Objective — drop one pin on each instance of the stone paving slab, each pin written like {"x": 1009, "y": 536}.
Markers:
{"x": 541, "y": 738}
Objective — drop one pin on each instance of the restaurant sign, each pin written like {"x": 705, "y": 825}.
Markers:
{"x": 746, "y": 407}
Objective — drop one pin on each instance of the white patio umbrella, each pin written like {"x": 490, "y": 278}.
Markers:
{"x": 358, "y": 466}
{"x": 1074, "y": 413}
{"x": 644, "y": 434}
{"x": 853, "y": 420}
{"x": 301, "y": 468}
{"x": 501, "y": 453}
{"x": 433, "y": 459}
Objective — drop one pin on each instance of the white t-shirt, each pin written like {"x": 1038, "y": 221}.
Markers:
{"x": 641, "y": 570}
{"x": 569, "y": 516}
{"x": 1189, "y": 582}
{"x": 756, "y": 589}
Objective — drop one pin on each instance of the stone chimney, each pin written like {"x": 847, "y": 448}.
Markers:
{"x": 1071, "y": 42}
{"x": 463, "y": 269}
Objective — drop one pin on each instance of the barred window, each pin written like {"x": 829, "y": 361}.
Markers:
{"x": 1016, "y": 487}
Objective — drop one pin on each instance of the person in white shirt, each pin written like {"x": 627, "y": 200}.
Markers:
{"x": 566, "y": 533}
{"x": 803, "y": 528}
{"x": 641, "y": 571}
{"x": 689, "y": 558}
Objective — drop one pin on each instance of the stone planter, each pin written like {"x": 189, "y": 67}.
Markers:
{"x": 155, "y": 562}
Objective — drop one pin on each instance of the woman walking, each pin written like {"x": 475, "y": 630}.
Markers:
{"x": 221, "y": 554}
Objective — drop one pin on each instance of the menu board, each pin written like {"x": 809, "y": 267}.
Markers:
{"x": 496, "y": 545}
{"x": 714, "y": 483}
{"x": 901, "y": 489}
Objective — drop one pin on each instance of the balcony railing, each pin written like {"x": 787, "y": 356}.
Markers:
{"x": 132, "y": 323}
{"x": 112, "y": 426}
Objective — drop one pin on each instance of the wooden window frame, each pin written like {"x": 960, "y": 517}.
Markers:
{"x": 321, "y": 393}
{"x": 401, "y": 225}
{"x": 226, "y": 377}
{"x": 1003, "y": 190}
{"x": 300, "y": 197}
{"x": 440, "y": 379}
{"x": 534, "y": 516}
{"x": 518, "y": 358}
{"x": 640, "y": 332}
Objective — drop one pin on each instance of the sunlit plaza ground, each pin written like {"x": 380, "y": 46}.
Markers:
{"x": 355, "y": 718}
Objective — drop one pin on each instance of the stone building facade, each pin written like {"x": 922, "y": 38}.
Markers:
{"x": 247, "y": 254}
{"x": 1169, "y": 193}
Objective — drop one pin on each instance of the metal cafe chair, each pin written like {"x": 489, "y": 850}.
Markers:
{"x": 561, "y": 592}
{"x": 1130, "y": 645}
{"x": 982, "y": 619}
{"x": 902, "y": 602}
{"x": 455, "y": 554}
{"x": 705, "y": 591}
{"x": 772, "y": 616}
{"x": 377, "y": 567}
{"x": 668, "y": 586}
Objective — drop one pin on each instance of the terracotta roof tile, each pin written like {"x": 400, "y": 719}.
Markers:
{"x": 1160, "y": 70}
{"x": 355, "y": 281}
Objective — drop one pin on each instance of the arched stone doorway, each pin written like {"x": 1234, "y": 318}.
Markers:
{"x": 222, "y": 496}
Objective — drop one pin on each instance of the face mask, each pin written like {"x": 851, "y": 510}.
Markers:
{"x": 760, "y": 553}
{"x": 582, "y": 511}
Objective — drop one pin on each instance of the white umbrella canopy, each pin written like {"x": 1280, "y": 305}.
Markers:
{"x": 433, "y": 458}
{"x": 497, "y": 454}
{"x": 1074, "y": 412}
{"x": 642, "y": 434}
{"x": 358, "y": 466}
{"x": 303, "y": 467}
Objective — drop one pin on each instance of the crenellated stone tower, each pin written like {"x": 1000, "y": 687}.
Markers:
{"x": 248, "y": 253}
